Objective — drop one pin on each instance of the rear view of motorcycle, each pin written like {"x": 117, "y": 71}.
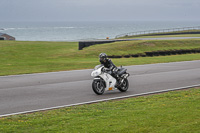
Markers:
{"x": 104, "y": 81}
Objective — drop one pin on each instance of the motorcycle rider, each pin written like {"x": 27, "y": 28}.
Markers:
{"x": 108, "y": 64}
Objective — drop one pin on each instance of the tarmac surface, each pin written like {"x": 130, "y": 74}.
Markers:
{"x": 19, "y": 93}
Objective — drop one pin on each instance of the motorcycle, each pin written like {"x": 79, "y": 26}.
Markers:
{"x": 104, "y": 81}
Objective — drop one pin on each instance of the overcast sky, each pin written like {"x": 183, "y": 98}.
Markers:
{"x": 98, "y": 10}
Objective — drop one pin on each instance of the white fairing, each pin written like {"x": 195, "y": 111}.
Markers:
{"x": 96, "y": 72}
{"x": 110, "y": 81}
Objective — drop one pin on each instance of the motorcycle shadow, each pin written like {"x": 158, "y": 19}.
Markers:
{"x": 114, "y": 93}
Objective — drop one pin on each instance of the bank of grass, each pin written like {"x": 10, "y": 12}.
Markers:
{"x": 21, "y": 57}
{"x": 176, "y": 111}
{"x": 140, "y": 47}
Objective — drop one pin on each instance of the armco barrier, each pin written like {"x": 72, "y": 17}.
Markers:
{"x": 172, "y": 31}
{"x": 83, "y": 44}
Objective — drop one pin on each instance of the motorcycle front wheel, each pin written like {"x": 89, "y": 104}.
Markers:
{"x": 98, "y": 87}
{"x": 124, "y": 86}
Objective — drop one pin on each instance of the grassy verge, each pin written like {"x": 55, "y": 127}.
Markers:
{"x": 18, "y": 57}
{"x": 177, "y": 111}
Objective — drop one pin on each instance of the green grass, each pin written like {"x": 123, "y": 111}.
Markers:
{"x": 19, "y": 57}
{"x": 177, "y": 111}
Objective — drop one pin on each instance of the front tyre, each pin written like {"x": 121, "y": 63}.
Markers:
{"x": 124, "y": 86}
{"x": 98, "y": 87}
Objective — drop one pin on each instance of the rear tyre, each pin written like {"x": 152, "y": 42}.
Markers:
{"x": 98, "y": 87}
{"x": 124, "y": 86}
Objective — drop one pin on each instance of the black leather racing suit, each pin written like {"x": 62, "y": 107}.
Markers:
{"x": 108, "y": 64}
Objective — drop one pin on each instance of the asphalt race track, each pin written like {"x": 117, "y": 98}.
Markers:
{"x": 28, "y": 92}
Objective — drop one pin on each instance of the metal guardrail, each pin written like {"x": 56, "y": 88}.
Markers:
{"x": 158, "y": 31}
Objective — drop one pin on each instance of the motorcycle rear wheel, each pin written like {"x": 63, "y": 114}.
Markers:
{"x": 124, "y": 86}
{"x": 98, "y": 87}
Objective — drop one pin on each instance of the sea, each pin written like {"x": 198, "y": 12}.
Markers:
{"x": 83, "y": 30}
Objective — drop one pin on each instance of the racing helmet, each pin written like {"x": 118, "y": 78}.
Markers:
{"x": 102, "y": 57}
